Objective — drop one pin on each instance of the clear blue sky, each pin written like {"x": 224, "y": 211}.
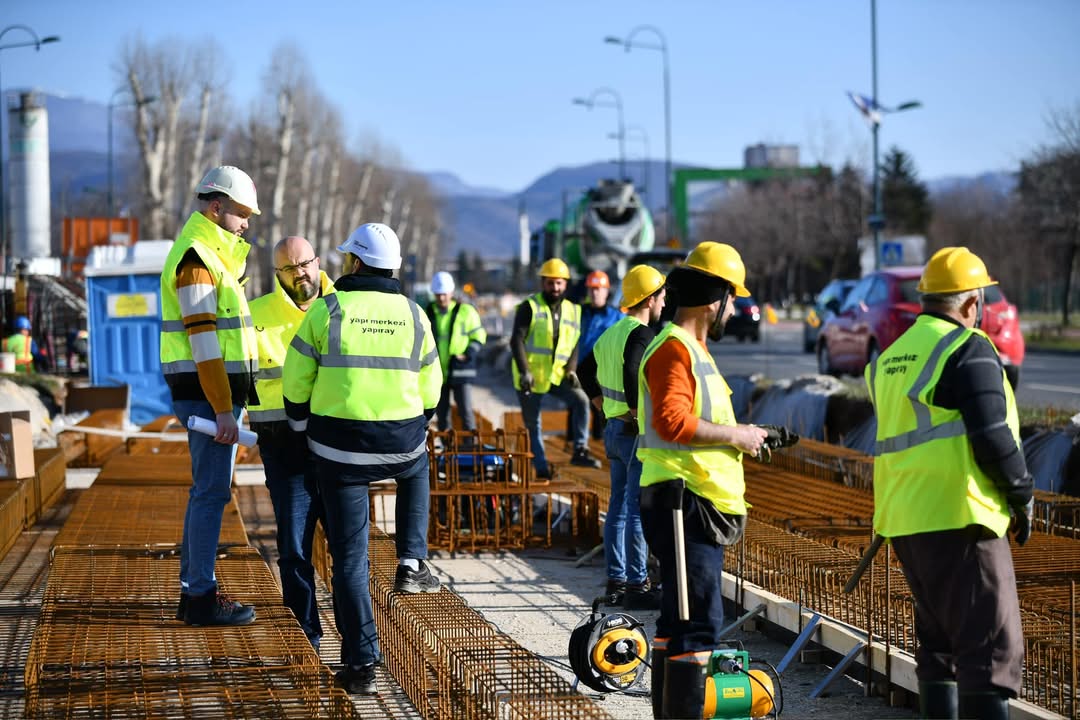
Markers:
{"x": 483, "y": 89}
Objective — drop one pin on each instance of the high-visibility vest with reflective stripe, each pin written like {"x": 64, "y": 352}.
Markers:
{"x": 454, "y": 339}
{"x": 610, "y": 354}
{"x": 547, "y": 363}
{"x": 363, "y": 356}
{"x": 276, "y": 319}
{"x": 925, "y": 475}
{"x": 223, "y": 254}
{"x": 713, "y": 472}
{"x": 20, "y": 346}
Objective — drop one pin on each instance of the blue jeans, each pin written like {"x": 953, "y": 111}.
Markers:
{"x": 297, "y": 507}
{"x": 625, "y": 550}
{"x": 704, "y": 572}
{"x": 347, "y": 526}
{"x": 463, "y": 399}
{"x": 211, "y": 481}
{"x": 576, "y": 401}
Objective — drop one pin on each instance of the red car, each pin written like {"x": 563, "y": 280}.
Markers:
{"x": 884, "y": 304}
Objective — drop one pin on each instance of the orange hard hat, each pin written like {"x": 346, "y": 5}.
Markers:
{"x": 597, "y": 279}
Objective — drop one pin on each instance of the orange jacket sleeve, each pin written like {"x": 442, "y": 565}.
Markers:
{"x": 670, "y": 378}
{"x": 198, "y": 304}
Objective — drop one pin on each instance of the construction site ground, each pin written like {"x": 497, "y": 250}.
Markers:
{"x": 536, "y": 596}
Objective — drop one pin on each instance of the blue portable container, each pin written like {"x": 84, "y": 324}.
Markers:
{"x": 123, "y": 295}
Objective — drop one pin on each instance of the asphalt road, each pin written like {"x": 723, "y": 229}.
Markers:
{"x": 1046, "y": 379}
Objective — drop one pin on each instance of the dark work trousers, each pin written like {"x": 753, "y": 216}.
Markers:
{"x": 704, "y": 570}
{"x": 463, "y": 400}
{"x": 967, "y": 615}
{"x": 297, "y": 507}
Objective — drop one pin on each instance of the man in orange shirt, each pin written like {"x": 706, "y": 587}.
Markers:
{"x": 691, "y": 450}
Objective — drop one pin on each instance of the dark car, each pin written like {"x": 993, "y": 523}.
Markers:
{"x": 884, "y": 304}
{"x": 826, "y": 304}
{"x": 745, "y": 324}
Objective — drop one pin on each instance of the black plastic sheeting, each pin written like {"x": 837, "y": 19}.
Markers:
{"x": 802, "y": 405}
{"x": 799, "y": 404}
{"x": 1053, "y": 459}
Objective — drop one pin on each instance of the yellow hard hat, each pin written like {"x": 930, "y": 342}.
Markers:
{"x": 722, "y": 261}
{"x": 555, "y": 268}
{"x": 953, "y": 270}
{"x": 640, "y": 282}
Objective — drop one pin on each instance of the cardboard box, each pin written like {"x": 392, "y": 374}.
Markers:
{"x": 16, "y": 445}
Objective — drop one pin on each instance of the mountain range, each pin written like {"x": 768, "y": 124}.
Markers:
{"x": 481, "y": 220}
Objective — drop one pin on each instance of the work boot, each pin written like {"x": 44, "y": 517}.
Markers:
{"x": 938, "y": 700}
{"x": 216, "y": 608}
{"x": 181, "y": 607}
{"x": 615, "y": 591}
{"x": 642, "y": 597}
{"x": 984, "y": 706}
{"x": 409, "y": 581}
{"x": 582, "y": 458}
{"x": 357, "y": 680}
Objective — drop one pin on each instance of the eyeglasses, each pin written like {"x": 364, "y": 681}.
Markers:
{"x": 297, "y": 267}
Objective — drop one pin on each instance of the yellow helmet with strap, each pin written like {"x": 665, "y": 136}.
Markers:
{"x": 722, "y": 261}
{"x": 554, "y": 268}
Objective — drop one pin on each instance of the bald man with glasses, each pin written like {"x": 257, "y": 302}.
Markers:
{"x": 289, "y": 471}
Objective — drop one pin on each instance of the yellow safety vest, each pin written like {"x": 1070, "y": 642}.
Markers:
{"x": 454, "y": 330}
{"x": 276, "y": 319}
{"x": 363, "y": 363}
{"x": 713, "y": 472}
{"x": 547, "y": 363}
{"x": 19, "y": 345}
{"x": 925, "y": 475}
{"x": 610, "y": 354}
{"x": 223, "y": 254}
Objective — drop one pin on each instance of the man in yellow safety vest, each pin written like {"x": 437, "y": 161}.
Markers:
{"x": 459, "y": 335}
{"x": 21, "y": 345}
{"x": 208, "y": 358}
{"x": 361, "y": 380}
{"x": 544, "y": 344}
{"x": 949, "y": 479}
{"x": 290, "y": 478}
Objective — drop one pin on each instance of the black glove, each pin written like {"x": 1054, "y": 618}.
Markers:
{"x": 778, "y": 437}
{"x": 526, "y": 382}
{"x": 1021, "y": 521}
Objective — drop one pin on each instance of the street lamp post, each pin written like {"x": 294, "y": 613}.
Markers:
{"x": 872, "y": 110}
{"x": 36, "y": 43}
{"x": 629, "y": 43}
{"x": 640, "y": 131}
{"x": 593, "y": 101}
{"x": 113, "y": 104}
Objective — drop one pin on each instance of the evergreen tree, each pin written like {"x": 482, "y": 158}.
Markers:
{"x": 904, "y": 199}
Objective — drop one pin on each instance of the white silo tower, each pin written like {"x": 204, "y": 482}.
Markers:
{"x": 28, "y": 129}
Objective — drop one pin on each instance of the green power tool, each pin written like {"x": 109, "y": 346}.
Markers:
{"x": 730, "y": 689}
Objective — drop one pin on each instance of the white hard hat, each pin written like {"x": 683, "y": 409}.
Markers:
{"x": 376, "y": 244}
{"x": 442, "y": 283}
{"x": 232, "y": 181}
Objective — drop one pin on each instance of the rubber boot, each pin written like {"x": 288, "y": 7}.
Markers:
{"x": 938, "y": 700}
{"x": 984, "y": 706}
{"x": 659, "y": 657}
{"x": 684, "y": 684}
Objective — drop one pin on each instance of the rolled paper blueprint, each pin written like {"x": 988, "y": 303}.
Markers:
{"x": 209, "y": 427}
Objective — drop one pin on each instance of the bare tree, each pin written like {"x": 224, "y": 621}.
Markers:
{"x": 160, "y": 72}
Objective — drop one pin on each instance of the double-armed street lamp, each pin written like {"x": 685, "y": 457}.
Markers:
{"x": 113, "y": 104}
{"x": 594, "y": 100}
{"x": 629, "y": 42}
{"x": 872, "y": 110}
{"x": 36, "y": 43}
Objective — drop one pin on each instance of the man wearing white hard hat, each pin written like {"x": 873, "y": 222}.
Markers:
{"x": 459, "y": 335}
{"x": 361, "y": 380}
{"x": 209, "y": 358}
